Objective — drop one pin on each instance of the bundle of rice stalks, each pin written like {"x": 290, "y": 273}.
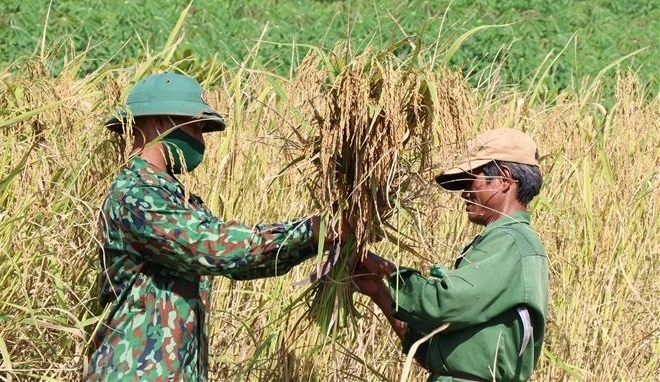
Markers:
{"x": 367, "y": 124}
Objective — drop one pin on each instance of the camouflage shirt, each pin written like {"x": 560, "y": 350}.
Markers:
{"x": 159, "y": 245}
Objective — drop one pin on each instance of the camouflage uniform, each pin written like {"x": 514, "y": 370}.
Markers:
{"x": 159, "y": 246}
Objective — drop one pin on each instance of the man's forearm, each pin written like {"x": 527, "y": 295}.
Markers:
{"x": 384, "y": 301}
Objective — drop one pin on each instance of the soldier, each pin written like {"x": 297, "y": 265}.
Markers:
{"x": 495, "y": 300}
{"x": 160, "y": 243}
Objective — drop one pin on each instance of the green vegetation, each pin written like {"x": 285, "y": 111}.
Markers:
{"x": 591, "y": 34}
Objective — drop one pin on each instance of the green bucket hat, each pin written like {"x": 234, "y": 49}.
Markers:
{"x": 167, "y": 94}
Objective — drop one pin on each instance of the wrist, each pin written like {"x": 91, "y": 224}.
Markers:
{"x": 382, "y": 297}
{"x": 391, "y": 268}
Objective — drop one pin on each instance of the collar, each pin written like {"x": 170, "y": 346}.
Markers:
{"x": 159, "y": 178}
{"x": 139, "y": 164}
{"x": 152, "y": 175}
{"x": 520, "y": 217}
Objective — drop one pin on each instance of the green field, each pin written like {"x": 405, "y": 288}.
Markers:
{"x": 268, "y": 66}
{"x": 575, "y": 39}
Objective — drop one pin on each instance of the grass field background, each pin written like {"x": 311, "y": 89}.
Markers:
{"x": 576, "y": 39}
{"x": 597, "y": 213}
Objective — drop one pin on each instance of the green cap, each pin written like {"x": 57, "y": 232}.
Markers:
{"x": 167, "y": 94}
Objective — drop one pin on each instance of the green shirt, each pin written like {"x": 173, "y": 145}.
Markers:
{"x": 504, "y": 268}
{"x": 159, "y": 245}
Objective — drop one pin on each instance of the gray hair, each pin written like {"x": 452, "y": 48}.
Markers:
{"x": 528, "y": 177}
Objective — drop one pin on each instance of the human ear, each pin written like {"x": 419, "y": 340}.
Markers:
{"x": 139, "y": 136}
{"x": 506, "y": 179}
{"x": 164, "y": 123}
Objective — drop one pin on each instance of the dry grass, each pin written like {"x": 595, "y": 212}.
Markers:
{"x": 363, "y": 133}
{"x": 597, "y": 214}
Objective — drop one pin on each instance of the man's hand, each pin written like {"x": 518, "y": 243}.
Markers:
{"x": 332, "y": 233}
{"x": 368, "y": 278}
{"x": 368, "y": 274}
{"x": 377, "y": 265}
{"x": 366, "y": 282}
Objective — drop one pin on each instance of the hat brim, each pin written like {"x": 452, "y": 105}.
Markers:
{"x": 196, "y": 110}
{"x": 459, "y": 177}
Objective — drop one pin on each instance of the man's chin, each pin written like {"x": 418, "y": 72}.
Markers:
{"x": 475, "y": 218}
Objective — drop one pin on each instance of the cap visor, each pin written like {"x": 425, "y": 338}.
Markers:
{"x": 116, "y": 121}
{"x": 214, "y": 121}
{"x": 454, "y": 182}
{"x": 459, "y": 177}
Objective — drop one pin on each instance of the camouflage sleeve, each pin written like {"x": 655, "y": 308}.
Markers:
{"x": 192, "y": 240}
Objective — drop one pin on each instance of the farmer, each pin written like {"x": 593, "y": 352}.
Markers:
{"x": 160, "y": 243}
{"x": 495, "y": 299}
